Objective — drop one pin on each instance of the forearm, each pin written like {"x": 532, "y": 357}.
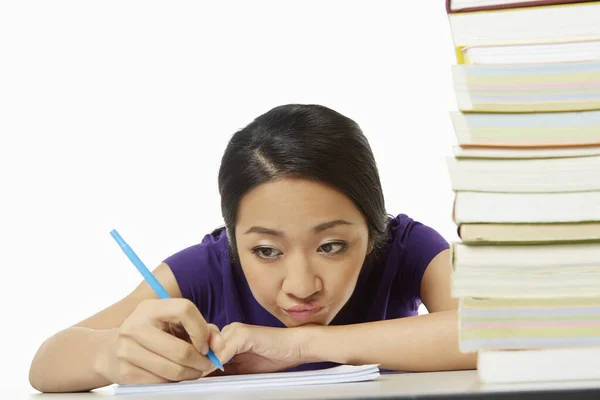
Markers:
{"x": 67, "y": 362}
{"x": 421, "y": 343}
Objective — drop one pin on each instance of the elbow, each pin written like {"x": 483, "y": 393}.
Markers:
{"x": 57, "y": 368}
{"x": 42, "y": 371}
{"x": 36, "y": 382}
{"x": 38, "y": 377}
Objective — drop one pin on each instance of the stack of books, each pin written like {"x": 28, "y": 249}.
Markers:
{"x": 526, "y": 177}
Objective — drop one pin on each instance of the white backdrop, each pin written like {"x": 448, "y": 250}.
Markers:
{"x": 115, "y": 114}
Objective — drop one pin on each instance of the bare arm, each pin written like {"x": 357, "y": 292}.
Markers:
{"x": 68, "y": 360}
{"x": 421, "y": 343}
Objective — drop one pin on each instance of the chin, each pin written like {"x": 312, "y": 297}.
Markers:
{"x": 295, "y": 324}
{"x": 290, "y": 322}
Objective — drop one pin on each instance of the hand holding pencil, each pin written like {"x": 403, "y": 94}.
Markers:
{"x": 146, "y": 350}
{"x": 162, "y": 340}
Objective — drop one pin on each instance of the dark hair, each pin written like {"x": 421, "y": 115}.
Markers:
{"x": 304, "y": 141}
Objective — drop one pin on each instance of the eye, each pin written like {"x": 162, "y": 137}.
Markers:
{"x": 333, "y": 248}
{"x": 266, "y": 253}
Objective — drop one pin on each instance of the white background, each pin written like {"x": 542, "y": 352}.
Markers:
{"x": 115, "y": 114}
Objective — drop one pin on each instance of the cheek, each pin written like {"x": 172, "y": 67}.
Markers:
{"x": 342, "y": 281}
{"x": 264, "y": 282}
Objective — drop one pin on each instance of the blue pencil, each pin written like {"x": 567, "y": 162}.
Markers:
{"x": 153, "y": 282}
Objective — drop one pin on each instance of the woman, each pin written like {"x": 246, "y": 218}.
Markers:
{"x": 308, "y": 271}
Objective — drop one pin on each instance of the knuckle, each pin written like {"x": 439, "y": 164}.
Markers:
{"x": 231, "y": 328}
{"x": 188, "y": 308}
{"x": 130, "y": 328}
{"x": 122, "y": 350}
{"x": 143, "y": 306}
{"x": 126, "y": 330}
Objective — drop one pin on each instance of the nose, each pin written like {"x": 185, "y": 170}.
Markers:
{"x": 300, "y": 281}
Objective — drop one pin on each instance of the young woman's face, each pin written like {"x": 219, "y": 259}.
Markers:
{"x": 301, "y": 246}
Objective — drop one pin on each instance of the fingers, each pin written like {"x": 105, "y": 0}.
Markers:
{"x": 132, "y": 374}
{"x": 234, "y": 340}
{"x": 168, "y": 339}
{"x": 216, "y": 341}
{"x": 184, "y": 312}
{"x": 154, "y": 364}
{"x": 172, "y": 348}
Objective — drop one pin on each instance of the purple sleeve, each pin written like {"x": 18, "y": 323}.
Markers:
{"x": 419, "y": 244}
{"x": 197, "y": 271}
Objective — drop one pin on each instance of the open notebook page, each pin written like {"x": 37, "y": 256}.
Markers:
{"x": 340, "y": 374}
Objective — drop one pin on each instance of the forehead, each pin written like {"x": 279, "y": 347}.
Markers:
{"x": 295, "y": 202}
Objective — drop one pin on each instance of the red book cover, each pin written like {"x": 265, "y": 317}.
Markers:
{"x": 516, "y": 4}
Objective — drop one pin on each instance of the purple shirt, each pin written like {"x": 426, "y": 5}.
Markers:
{"x": 387, "y": 289}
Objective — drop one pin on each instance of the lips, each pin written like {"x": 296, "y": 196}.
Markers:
{"x": 302, "y": 312}
{"x": 304, "y": 307}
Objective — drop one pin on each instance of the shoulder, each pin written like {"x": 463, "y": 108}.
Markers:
{"x": 207, "y": 253}
{"x": 410, "y": 248}
{"x": 414, "y": 238}
{"x": 199, "y": 268}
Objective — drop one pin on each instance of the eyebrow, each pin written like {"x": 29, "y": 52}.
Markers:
{"x": 317, "y": 229}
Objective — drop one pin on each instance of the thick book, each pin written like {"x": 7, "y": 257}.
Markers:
{"x": 538, "y": 323}
{"x": 527, "y": 88}
{"x": 544, "y": 24}
{"x": 457, "y": 6}
{"x": 478, "y": 233}
{"x": 538, "y": 208}
{"x": 527, "y": 130}
{"x": 540, "y": 365}
{"x": 526, "y": 270}
{"x": 549, "y": 175}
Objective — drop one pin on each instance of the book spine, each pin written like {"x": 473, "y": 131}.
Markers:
{"x": 540, "y": 3}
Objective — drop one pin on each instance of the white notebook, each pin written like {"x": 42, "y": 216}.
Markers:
{"x": 340, "y": 374}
